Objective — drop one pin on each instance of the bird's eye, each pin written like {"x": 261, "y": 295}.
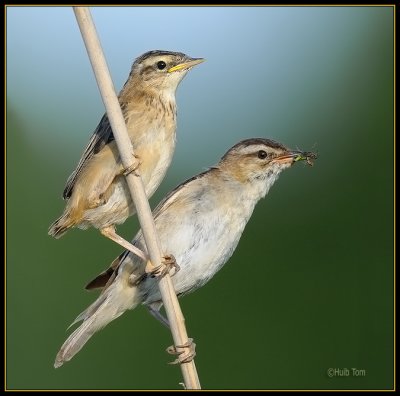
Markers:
{"x": 262, "y": 154}
{"x": 161, "y": 65}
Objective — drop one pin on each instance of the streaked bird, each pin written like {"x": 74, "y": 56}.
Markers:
{"x": 96, "y": 192}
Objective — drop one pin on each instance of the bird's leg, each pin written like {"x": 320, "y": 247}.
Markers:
{"x": 132, "y": 167}
{"x": 167, "y": 263}
{"x": 109, "y": 232}
{"x": 183, "y": 357}
{"x": 154, "y": 310}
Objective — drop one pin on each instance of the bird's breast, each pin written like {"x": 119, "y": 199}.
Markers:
{"x": 202, "y": 241}
{"x": 153, "y": 136}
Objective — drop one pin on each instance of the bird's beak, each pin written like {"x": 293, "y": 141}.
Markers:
{"x": 186, "y": 65}
{"x": 289, "y": 157}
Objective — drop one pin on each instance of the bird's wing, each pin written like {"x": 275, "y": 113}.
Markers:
{"x": 101, "y": 136}
{"x": 174, "y": 194}
{"x": 104, "y": 279}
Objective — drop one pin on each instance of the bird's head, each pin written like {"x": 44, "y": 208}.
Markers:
{"x": 162, "y": 70}
{"x": 258, "y": 162}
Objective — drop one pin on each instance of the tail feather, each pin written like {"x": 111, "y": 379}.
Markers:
{"x": 88, "y": 312}
{"x": 76, "y": 341}
{"x": 61, "y": 226}
{"x": 119, "y": 297}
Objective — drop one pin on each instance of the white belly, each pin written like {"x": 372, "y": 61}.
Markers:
{"x": 201, "y": 245}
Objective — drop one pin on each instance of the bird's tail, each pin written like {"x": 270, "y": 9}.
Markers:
{"x": 112, "y": 303}
{"x": 61, "y": 225}
{"x": 71, "y": 217}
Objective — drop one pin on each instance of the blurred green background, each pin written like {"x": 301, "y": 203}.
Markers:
{"x": 310, "y": 286}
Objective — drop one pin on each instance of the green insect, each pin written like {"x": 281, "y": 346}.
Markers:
{"x": 307, "y": 156}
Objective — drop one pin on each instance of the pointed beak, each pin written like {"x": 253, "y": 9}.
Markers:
{"x": 290, "y": 157}
{"x": 186, "y": 65}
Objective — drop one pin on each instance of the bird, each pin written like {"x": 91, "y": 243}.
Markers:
{"x": 96, "y": 192}
{"x": 200, "y": 223}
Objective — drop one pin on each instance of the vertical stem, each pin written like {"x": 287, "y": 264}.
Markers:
{"x": 136, "y": 187}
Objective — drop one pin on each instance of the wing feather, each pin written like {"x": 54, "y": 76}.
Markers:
{"x": 101, "y": 136}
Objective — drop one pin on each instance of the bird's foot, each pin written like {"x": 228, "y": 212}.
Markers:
{"x": 183, "y": 356}
{"x": 133, "y": 167}
{"x": 167, "y": 263}
{"x": 170, "y": 263}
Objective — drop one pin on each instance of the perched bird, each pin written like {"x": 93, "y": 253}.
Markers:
{"x": 96, "y": 192}
{"x": 200, "y": 223}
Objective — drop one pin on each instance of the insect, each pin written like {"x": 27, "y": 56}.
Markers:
{"x": 308, "y": 156}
